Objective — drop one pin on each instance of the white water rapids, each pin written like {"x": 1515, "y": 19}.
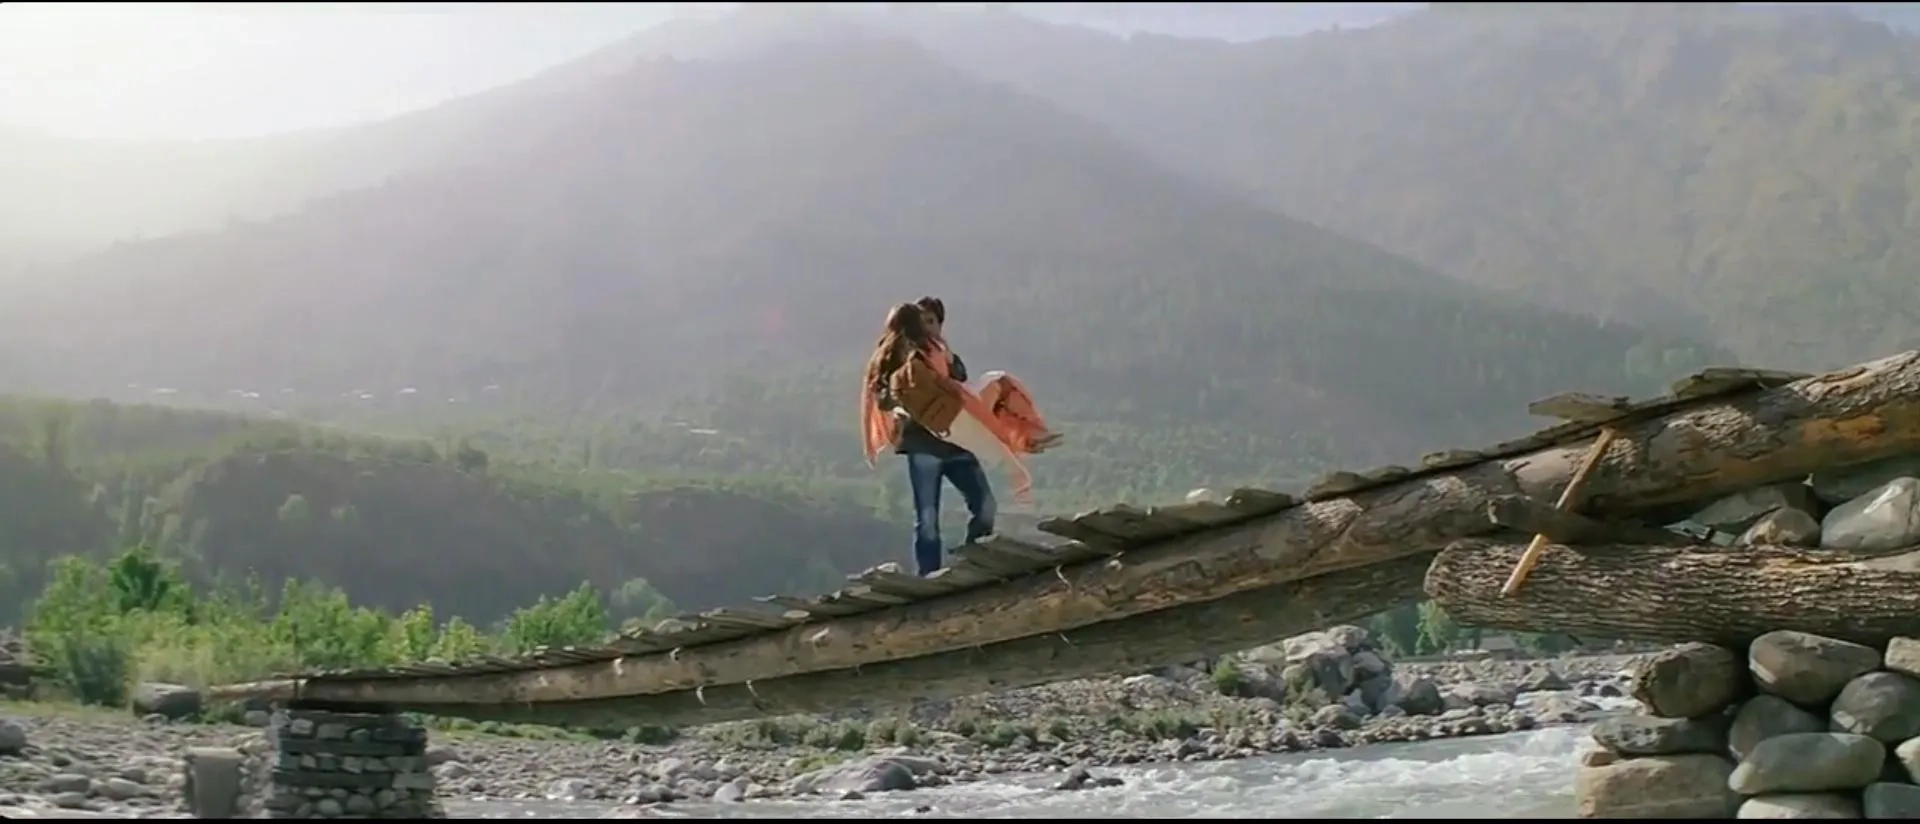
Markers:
{"x": 1518, "y": 775}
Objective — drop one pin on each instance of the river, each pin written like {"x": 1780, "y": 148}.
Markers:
{"x": 1519, "y": 775}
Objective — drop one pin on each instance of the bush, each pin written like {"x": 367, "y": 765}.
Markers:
{"x": 101, "y": 627}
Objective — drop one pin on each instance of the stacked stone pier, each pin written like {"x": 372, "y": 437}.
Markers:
{"x": 316, "y": 763}
{"x": 1796, "y": 725}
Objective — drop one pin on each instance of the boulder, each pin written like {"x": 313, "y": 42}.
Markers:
{"x": 1737, "y": 512}
{"x": 872, "y": 775}
{"x": 1689, "y": 680}
{"x": 1890, "y": 800}
{"x": 1080, "y": 778}
{"x": 1886, "y": 518}
{"x": 1881, "y": 705}
{"x": 1903, "y": 656}
{"x": 1481, "y": 694}
{"x": 171, "y": 701}
{"x": 1807, "y": 669}
{"x": 1765, "y": 716}
{"x": 1333, "y": 661}
{"x": 1377, "y": 693}
{"x": 1809, "y": 762}
{"x": 1557, "y": 707}
{"x": 1907, "y": 756}
{"x": 1543, "y": 679}
{"x": 213, "y": 781}
{"x": 1783, "y": 527}
{"x": 13, "y": 738}
{"x": 1661, "y": 786}
{"x": 1336, "y": 716}
{"x": 1636, "y": 735}
{"x": 1801, "y": 805}
{"x": 1418, "y": 695}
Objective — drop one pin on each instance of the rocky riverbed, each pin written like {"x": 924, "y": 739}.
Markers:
{"x": 1322, "y": 690}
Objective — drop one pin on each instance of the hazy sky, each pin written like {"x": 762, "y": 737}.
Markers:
{"x": 201, "y": 70}
{"x": 140, "y": 70}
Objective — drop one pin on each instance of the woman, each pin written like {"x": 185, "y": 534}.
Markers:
{"x": 914, "y": 399}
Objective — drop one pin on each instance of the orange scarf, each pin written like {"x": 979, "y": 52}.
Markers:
{"x": 1012, "y": 420}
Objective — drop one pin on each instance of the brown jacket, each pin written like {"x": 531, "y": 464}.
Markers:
{"x": 924, "y": 394}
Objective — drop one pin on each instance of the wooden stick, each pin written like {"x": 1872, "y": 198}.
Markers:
{"x": 1568, "y": 497}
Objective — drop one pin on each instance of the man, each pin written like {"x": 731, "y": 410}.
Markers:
{"x": 932, "y": 460}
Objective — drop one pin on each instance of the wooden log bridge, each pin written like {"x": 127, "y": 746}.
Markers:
{"x": 1129, "y": 589}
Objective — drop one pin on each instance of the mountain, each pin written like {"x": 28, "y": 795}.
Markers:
{"x": 656, "y": 234}
{"x": 1737, "y": 174}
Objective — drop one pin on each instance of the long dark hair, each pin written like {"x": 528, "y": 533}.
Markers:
{"x": 905, "y": 333}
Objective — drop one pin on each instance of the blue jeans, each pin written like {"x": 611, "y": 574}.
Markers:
{"x": 924, "y": 473}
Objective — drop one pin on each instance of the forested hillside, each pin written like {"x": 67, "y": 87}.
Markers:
{"x": 395, "y": 522}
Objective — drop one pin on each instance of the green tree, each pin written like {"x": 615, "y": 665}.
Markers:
{"x": 579, "y": 618}
{"x": 636, "y": 601}
{"x": 294, "y": 510}
{"x": 1438, "y": 632}
{"x": 141, "y": 581}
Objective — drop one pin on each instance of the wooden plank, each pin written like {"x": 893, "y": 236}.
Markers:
{"x": 889, "y": 579}
{"x": 964, "y": 578}
{"x": 1072, "y": 530}
{"x": 1702, "y": 451}
{"x": 1450, "y": 458}
{"x": 1719, "y": 380}
{"x": 1581, "y": 407}
{"x": 1016, "y": 548}
{"x": 1198, "y": 514}
{"x": 741, "y": 618}
{"x": 788, "y": 602}
{"x": 1260, "y": 501}
{"x": 1122, "y": 525}
{"x": 1386, "y": 475}
{"x": 867, "y": 599}
{"x": 1336, "y": 483}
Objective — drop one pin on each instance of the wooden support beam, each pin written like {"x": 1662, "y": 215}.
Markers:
{"x": 1569, "y": 498}
{"x": 1683, "y": 593}
{"x": 1716, "y": 448}
{"x": 1560, "y": 526}
{"x": 1171, "y": 636}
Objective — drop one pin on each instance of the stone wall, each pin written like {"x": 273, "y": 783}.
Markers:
{"x": 316, "y": 764}
{"x": 1796, "y": 726}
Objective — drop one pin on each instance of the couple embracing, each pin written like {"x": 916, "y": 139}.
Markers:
{"x": 916, "y": 398}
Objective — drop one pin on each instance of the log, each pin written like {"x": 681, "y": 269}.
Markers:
{"x": 1172, "y": 636}
{"x": 1561, "y": 526}
{"x": 1698, "y": 452}
{"x": 1675, "y": 594}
